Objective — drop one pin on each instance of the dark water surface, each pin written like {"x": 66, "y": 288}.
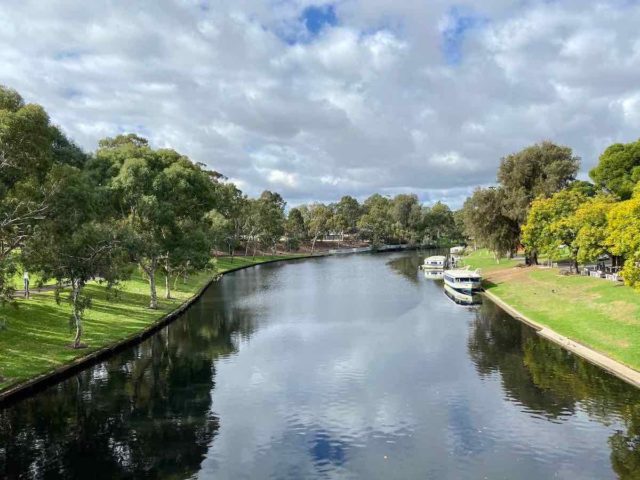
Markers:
{"x": 353, "y": 367}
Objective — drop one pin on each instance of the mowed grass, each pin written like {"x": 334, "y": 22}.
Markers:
{"x": 598, "y": 313}
{"x": 37, "y": 333}
{"x": 486, "y": 261}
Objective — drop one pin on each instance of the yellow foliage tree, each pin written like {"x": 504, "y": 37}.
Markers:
{"x": 552, "y": 224}
{"x": 623, "y": 236}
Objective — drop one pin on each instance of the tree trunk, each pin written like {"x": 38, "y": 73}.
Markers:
{"x": 151, "y": 273}
{"x": 167, "y": 284}
{"x": 77, "y": 315}
{"x": 313, "y": 243}
{"x": 575, "y": 265}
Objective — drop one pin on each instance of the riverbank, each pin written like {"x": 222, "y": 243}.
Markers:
{"x": 35, "y": 338}
{"x": 598, "y": 314}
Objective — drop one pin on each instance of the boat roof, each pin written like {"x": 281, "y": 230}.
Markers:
{"x": 463, "y": 274}
{"x": 436, "y": 257}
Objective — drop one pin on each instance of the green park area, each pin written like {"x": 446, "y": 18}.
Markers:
{"x": 35, "y": 335}
{"x": 598, "y": 313}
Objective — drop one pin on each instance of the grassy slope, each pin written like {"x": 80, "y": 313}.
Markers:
{"x": 600, "y": 314}
{"x": 37, "y": 332}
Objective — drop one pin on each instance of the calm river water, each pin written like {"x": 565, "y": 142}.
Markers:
{"x": 351, "y": 367}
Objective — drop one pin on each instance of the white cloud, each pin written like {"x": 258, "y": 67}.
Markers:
{"x": 370, "y": 104}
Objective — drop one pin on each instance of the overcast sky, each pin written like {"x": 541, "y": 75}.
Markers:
{"x": 319, "y": 99}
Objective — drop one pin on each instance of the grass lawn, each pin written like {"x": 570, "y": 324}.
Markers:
{"x": 598, "y": 313}
{"x": 486, "y": 261}
{"x": 37, "y": 333}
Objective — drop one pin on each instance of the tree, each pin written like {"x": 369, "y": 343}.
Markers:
{"x": 552, "y": 224}
{"x": 347, "y": 214}
{"x": 623, "y": 236}
{"x": 75, "y": 243}
{"x": 25, "y": 158}
{"x": 618, "y": 170}
{"x": 157, "y": 192}
{"x": 320, "y": 217}
{"x": 588, "y": 189}
{"x": 232, "y": 204}
{"x": 591, "y": 219}
{"x": 539, "y": 170}
{"x": 439, "y": 225}
{"x": 487, "y": 223}
{"x": 295, "y": 228}
{"x": 406, "y": 211}
{"x": 376, "y": 224}
{"x": 270, "y": 219}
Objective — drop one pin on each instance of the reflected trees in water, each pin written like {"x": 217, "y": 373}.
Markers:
{"x": 548, "y": 380}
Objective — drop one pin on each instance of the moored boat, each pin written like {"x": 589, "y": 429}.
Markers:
{"x": 436, "y": 262}
{"x": 463, "y": 280}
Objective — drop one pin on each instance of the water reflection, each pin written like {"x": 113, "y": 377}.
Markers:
{"x": 553, "y": 382}
{"x": 354, "y": 367}
{"x": 145, "y": 413}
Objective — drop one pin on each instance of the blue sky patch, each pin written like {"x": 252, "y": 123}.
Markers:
{"x": 315, "y": 18}
{"x": 459, "y": 23}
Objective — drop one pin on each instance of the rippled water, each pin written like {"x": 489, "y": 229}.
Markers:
{"x": 353, "y": 367}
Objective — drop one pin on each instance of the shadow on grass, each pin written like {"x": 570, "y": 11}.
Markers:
{"x": 488, "y": 284}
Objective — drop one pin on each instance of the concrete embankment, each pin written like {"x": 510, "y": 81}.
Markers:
{"x": 612, "y": 366}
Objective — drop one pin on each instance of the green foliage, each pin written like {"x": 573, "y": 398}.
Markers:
{"x": 319, "y": 224}
{"x": 623, "y": 237}
{"x": 486, "y": 221}
{"x": 377, "y": 222}
{"x": 539, "y": 170}
{"x": 591, "y": 220}
{"x": 552, "y": 224}
{"x": 164, "y": 199}
{"x": 618, "y": 169}
{"x": 347, "y": 214}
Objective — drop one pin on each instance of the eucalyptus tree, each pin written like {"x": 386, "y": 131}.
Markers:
{"x": 232, "y": 204}
{"x": 320, "y": 221}
{"x": 376, "y": 224}
{"x": 539, "y": 170}
{"x": 77, "y": 242}
{"x": 295, "y": 227}
{"x": 347, "y": 213}
{"x": 618, "y": 170}
{"x": 406, "y": 211}
{"x": 439, "y": 225}
{"x": 487, "y": 223}
{"x": 156, "y": 192}
{"x": 270, "y": 219}
{"x": 29, "y": 146}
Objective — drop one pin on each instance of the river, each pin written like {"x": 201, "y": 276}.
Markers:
{"x": 350, "y": 367}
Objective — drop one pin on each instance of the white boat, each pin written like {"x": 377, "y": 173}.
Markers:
{"x": 437, "y": 262}
{"x": 457, "y": 250}
{"x": 463, "y": 280}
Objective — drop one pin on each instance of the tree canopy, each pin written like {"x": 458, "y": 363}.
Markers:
{"x": 618, "y": 169}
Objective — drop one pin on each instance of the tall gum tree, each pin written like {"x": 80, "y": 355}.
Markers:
{"x": 539, "y": 170}
{"x": 618, "y": 170}
{"x": 29, "y": 147}
{"x": 156, "y": 192}
{"x": 77, "y": 242}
